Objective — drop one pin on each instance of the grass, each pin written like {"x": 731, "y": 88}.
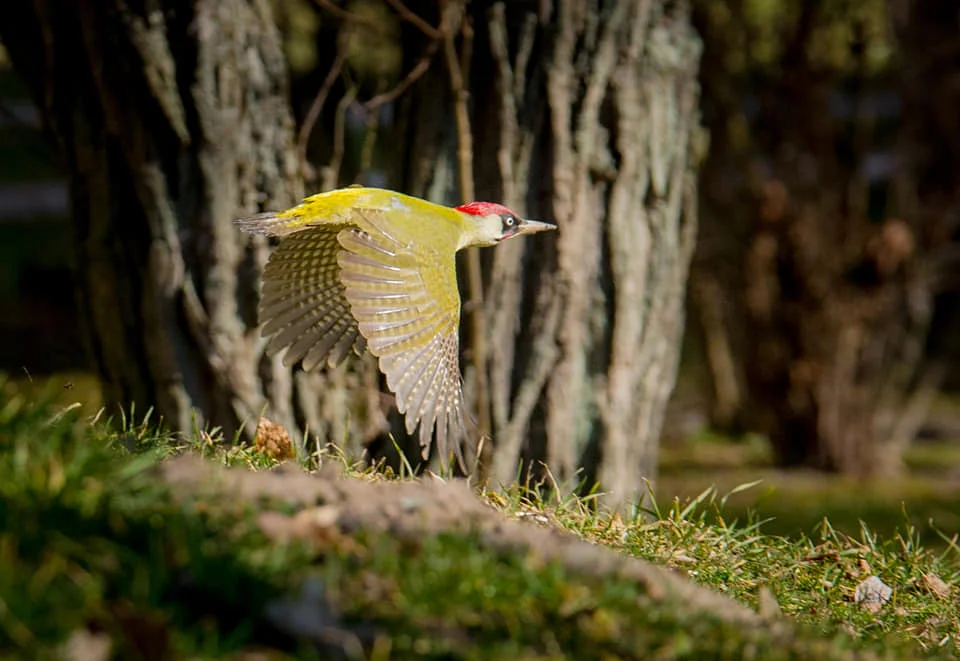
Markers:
{"x": 93, "y": 543}
{"x": 926, "y": 497}
{"x": 813, "y": 578}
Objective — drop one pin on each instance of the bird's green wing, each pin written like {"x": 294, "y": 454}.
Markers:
{"x": 303, "y": 306}
{"x": 407, "y": 305}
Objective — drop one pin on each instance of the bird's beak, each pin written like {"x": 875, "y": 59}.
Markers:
{"x": 534, "y": 226}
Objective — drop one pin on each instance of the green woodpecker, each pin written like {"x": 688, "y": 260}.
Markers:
{"x": 366, "y": 267}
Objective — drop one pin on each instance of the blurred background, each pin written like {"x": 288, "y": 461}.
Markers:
{"x": 820, "y": 352}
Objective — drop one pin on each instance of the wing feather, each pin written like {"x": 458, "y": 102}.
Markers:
{"x": 408, "y": 307}
{"x": 424, "y": 393}
{"x": 387, "y": 339}
{"x": 301, "y": 334}
{"x": 318, "y": 350}
{"x": 417, "y": 383}
{"x": 352, "y": 281}
{"x": 285, "y": 312}
{"x": 303, "y": 307}
{"x": 342, "y": 347}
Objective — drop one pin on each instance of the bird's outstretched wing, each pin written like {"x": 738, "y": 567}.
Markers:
{"x": 407, "y": 306}
{"x": 303, "y": 306}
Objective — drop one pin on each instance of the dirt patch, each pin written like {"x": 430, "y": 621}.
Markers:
{"x": 332, "y": 507}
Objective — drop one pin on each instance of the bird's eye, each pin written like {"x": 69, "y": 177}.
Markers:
{"x": 509, "y": 221}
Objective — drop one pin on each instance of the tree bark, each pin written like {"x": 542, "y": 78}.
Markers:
{"x": 583, "y": 113}
{"x": 171, "y": 118}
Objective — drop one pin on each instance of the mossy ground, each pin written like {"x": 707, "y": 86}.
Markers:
{"x": 96, "y": 546}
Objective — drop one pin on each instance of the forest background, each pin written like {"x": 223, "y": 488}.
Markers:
{"x": 755, "y": 276}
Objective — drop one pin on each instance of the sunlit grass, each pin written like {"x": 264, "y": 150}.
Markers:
{"x": 812, "y": 577}
{"x": 926, "y": 496}
{"x": 92, "y": 539}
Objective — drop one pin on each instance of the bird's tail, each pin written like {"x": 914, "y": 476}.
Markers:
{"x": 270, "y": 223}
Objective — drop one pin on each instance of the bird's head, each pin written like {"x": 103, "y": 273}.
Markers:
{"x": 491, "y": 223}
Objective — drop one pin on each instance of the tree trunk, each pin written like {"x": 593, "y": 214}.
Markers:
{"x": 171, "y": 118}
{"x": 822, "y": 257}
{"x": 929, "y": 41}
{"x": 583, "y": 113}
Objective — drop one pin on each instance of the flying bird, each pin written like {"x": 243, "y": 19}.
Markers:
{"x": 370, "y": 268}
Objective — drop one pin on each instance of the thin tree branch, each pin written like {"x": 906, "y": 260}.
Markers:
{"x": 369, "y": 142}
{"x": 345, "y": 15}
{"x": 911, "y": 416}
{"x": 504, "y": 294}
{"x": 456, "y": 69}
{"x": 331, "y": 175}
{"x": 545, "y": 355}
{"x": 415, "y": 73}
{"x": 524, "y": 50}
{"x": 313, "y": 114}
{"x": 410, "y": 17}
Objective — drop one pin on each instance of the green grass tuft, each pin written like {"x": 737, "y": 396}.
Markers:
{"x": 92, "y": 539}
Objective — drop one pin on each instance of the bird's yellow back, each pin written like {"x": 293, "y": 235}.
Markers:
{"x": 411, "y": 220}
